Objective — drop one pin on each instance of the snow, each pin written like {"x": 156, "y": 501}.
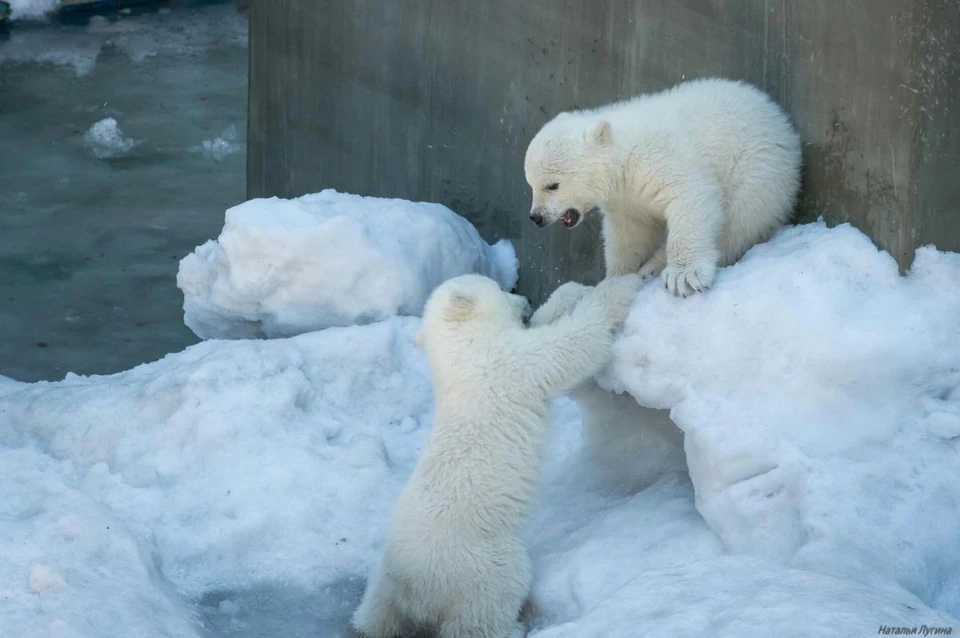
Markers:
{"x": 819, "y": 395}
{"x": 225, "y": 144}
{"x": 44, "y": 578}
{"x": 229, "y": 467}
{"x": 283, "y": 267}
{"x": 31, "y": 9}
{"x": 107, "y": 141}
{"x": 241, "y": 488}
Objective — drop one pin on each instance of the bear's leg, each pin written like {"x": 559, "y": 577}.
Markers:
{"x": 694, "y": 222}
{"x": 378, "y": 616}
{"x": 628, "y": 242}
{"x": 491, "y": 607}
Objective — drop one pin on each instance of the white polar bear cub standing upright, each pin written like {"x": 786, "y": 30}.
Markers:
{"x": 687, "y": 179}
{"x": 453, "y": 558}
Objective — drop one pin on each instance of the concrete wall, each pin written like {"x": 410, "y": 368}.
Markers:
{"x": 437, "y": 100}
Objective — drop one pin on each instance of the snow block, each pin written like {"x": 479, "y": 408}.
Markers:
{"x": 283, "y": 267}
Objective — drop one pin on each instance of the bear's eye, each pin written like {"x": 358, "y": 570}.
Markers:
{"x": 553, "y": 187}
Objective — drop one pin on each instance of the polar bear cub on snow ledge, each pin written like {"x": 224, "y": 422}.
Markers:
{"x": 687, "y": 179}
{"x": 453, "y": 557}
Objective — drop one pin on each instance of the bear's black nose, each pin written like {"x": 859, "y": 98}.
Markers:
{"x": 537, "y": 218}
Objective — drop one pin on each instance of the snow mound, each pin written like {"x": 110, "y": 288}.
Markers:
{"x": 819, "y": 395}
{"x": 282, "y": 267}
{"x": 107, "y": 141}
{"x": 228, "y": 468}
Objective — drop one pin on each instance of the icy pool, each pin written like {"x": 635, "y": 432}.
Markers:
{"x": 123, "y": 139}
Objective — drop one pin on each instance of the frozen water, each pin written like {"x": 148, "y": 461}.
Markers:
{"x": 106, "y": 140}
{"x": 89, "y": 247}
{"x": 241, "y": 488}
{"x": 282, "y": 267}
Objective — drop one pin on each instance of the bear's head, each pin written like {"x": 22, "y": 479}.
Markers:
{"x": 464, "y": 308}
{"x": 569, "y": 169}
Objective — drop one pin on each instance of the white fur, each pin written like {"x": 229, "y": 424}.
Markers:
{"x": 453, "y": 559}
{"x": 687, "y": 179}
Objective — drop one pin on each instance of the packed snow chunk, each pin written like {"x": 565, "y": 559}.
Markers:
{"x": 818, "y": 392}
{"x": 220, "y": 147}
{"x": 44, "y": 578}
{"x": 32, "y": 9}
{"x": 107, "y": 141}
{"x": 283, "y": 267}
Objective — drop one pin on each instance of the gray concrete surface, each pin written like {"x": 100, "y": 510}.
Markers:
{"x": 437, "y": 100}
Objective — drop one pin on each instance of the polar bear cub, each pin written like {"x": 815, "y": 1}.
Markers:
{"x": 453, "y": 558}
{"x": 687, "y": 179}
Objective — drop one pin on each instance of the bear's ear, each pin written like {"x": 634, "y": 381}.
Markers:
{"x": 459, "y": 307}
{"x": 600, "y": 133}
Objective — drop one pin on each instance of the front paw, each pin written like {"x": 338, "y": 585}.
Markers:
{"x": 569, "y": 294}
{"x": 685, "y": 280}
{"x": 653, "y": 266}
{"x": 560, "y": 303}
{"x": 617, "y": 294}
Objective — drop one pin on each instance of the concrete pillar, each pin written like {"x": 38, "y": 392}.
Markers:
{"x": 437, "y": 99}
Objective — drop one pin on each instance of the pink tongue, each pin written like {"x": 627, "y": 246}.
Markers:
{"x": 570, "y": 218}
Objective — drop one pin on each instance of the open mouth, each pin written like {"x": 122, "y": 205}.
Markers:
{"x": 571, "y": 217}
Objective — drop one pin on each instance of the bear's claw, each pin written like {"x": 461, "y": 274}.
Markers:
{"x": 686, "y": 280}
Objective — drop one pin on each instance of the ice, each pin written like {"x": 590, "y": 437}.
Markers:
{"x": 219, "y": 147}
{"x": 106, "y": 140}
{"x": 283, "y": 267}
{"x": 241, "y": 488}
